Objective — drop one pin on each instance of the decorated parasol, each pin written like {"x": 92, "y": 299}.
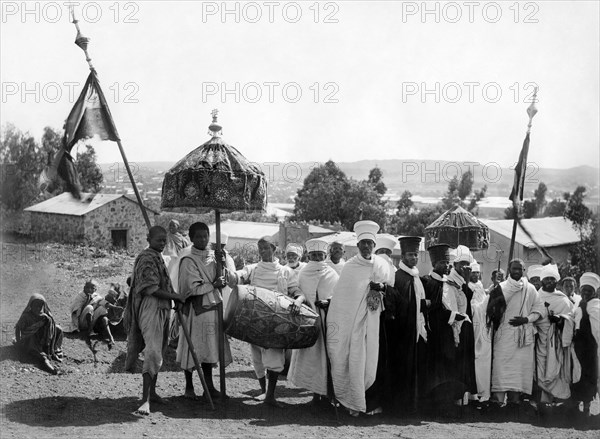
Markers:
{"x": 455, "y": 227}
{"x": 215, "y": 176}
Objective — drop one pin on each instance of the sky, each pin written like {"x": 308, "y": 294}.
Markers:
{"x": 313, "y": 81}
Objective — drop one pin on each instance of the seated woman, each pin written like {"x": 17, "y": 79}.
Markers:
{"x": 89, "y": 313}
{"x": 37, "y": 334}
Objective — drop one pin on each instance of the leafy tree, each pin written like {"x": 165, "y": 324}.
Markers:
{"x": 360, "y": 198}
{"x": 476, "y": 198}
{"x": 22, "y": 162}
{"x": 375, "y": 179}
{"x": 414, "y": 224}
{"x": 451, "y": 197}
{"x": 321, "y": 195}
{"x": 527, "y": 210}
{"x": 555, "y": 207}
{"x": 540, "y": 198}
{"x": 90, "y": 174}
{"x": 405, "y": 203}
{"x": 577, "y": 211}
{"x": 466, "y": 185}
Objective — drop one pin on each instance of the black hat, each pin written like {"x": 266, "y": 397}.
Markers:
{"x": 410, "y": 244}
{"x": 440, "y": 252}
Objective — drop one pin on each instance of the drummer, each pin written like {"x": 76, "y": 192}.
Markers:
{"x": 269, "y": 274}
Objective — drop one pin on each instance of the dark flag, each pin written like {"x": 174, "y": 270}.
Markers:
{"x": 89, "y": 117}
{"x": 520, "y": 169}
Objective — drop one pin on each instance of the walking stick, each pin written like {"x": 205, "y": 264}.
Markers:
{"x": 330, "y": 389}
{"x": 186, "y": 333}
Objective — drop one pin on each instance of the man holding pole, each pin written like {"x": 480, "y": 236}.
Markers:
{"x": 147, "y": 314}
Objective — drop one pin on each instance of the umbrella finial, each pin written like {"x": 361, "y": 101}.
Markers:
{"x": 81, "y": 40}
{"x": 532, "y": 110}
{"x": 214, "y": 129}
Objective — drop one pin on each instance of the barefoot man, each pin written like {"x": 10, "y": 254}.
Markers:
{"x": 147, "y": 314}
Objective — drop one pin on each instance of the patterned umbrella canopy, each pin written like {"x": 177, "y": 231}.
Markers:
{"x": 214, "y": 176}
{"x": 458, "y": 227}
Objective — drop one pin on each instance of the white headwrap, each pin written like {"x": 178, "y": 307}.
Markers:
{"x": 534, "y": 271}
{"x": 366, "y": 230}
{"x": 550, "y": 270}
{"x": 591, "y": 279}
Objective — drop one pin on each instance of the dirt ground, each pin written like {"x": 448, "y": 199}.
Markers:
{"x": 97, "y": 399}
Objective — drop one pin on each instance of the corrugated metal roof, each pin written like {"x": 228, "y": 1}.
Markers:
{"x": 66, "y": 204}
{"x": 547, "y": 232}
{"x": 246, "y": 229}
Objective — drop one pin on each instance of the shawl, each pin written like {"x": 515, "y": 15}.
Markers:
{"x": 419, "y": 295}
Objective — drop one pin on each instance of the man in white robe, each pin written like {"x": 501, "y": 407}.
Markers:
{"x": 555, "y": 333}
{"x": 197, "y": 279}
{"x": 354, "y": 323}
{"x": 336, "y": 256}
{"x": 269, "y": 274}
{"x": 384, "y": 247}
{"x": 308, "y": 367}
{"x": 511, "y": 311}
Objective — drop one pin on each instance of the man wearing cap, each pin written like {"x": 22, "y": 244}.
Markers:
{"x": 308, "y": 367}
{"x": 293, "y": 256}
{"x": 354, "y": 326}
{"x": 406, "y": 333}
{"x": 586, "y": 376}
{"x": 569, "y": 287}
{"x": 512, "y": 309}
{"x": 335, "y": 259}
{"x": 555, "y": 333}
{"x": 533, "y": 275}
{"x": 497, "y": 277}
{"x": 459, "y": 297}
{"x": 475, "y": 283}
{"x": 384, "y": 247}
{"x": 269, "y": 274}
{"x": 442, "y": 385}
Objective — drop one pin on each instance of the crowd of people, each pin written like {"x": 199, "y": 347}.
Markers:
{"x": 391, "y": 340}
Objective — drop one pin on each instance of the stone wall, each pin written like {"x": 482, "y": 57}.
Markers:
{"x": 119, "y": 214}
{"x": 56, "y": 227}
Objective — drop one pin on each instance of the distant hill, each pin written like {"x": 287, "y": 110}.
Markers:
{"x": 421, "y": 177}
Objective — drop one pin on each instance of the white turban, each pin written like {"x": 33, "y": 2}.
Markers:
{"x": 224, "y": 239}
{"x": 316, "y": 245}
{"x": 550, "y": 270}
{"x": 591, "y": 279}
{"x": 294, "y": 248}
{"x": 385, "y": 241}
{"x": 475, "y": 267}
{"x": 462, "y": 253}
{"x": 534, "y": 271}
{"x": 366, "y": 230}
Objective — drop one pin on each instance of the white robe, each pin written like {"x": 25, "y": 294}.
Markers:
{"x": 353, "y": 331}
{"x": 552, "y": 350}
{"x": 513, "y": 352}
{"x": 483, "y": 347}
{"x": 308, "y": 367}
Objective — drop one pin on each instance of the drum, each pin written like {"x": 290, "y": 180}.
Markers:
{"x": 261, "y": 317}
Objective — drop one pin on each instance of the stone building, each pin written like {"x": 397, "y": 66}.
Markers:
{"x": 104, "y": 220}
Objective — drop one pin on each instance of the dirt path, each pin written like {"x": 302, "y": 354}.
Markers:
{"x": 88, "y": 399}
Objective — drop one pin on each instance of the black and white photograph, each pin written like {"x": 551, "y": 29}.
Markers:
{"x": 329, "y": 219}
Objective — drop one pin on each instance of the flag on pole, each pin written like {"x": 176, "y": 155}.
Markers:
{"x": 520, "y": 170}
{"x": 89, "y": 117}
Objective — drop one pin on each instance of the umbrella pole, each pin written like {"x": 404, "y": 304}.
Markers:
{"x": 219, "y": 310}
{"x": 186, "y": 333}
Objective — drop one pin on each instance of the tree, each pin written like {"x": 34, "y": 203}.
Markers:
{"x": 405, "y": 203}
{"x": 375, "y": 179}
{"x": 90, "y": 174}
{"x": 540, "y": 198}
{"x": 577, "y": 211}
{"x": 320, "y": 197}
{"x": 476, "y": 198}
{"x": 527, "y": 210}
{"x": 459, "y": 190}
{"x": 22, "y": 162}
{"x": 414, "y": 223}
{"x": 555, "y": 207}
{"x": 451, "y": 198}
{"x": 360, "y": 198}
{"x": 466, "y": 185}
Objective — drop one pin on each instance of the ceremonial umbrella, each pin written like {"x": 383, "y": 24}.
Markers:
{"x": 455, "y": 227}
{"x": 215, "y": 176}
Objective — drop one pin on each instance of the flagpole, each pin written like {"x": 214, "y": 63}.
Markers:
{"x": 82, "y": 42}
{"x": 518, "y": 191}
